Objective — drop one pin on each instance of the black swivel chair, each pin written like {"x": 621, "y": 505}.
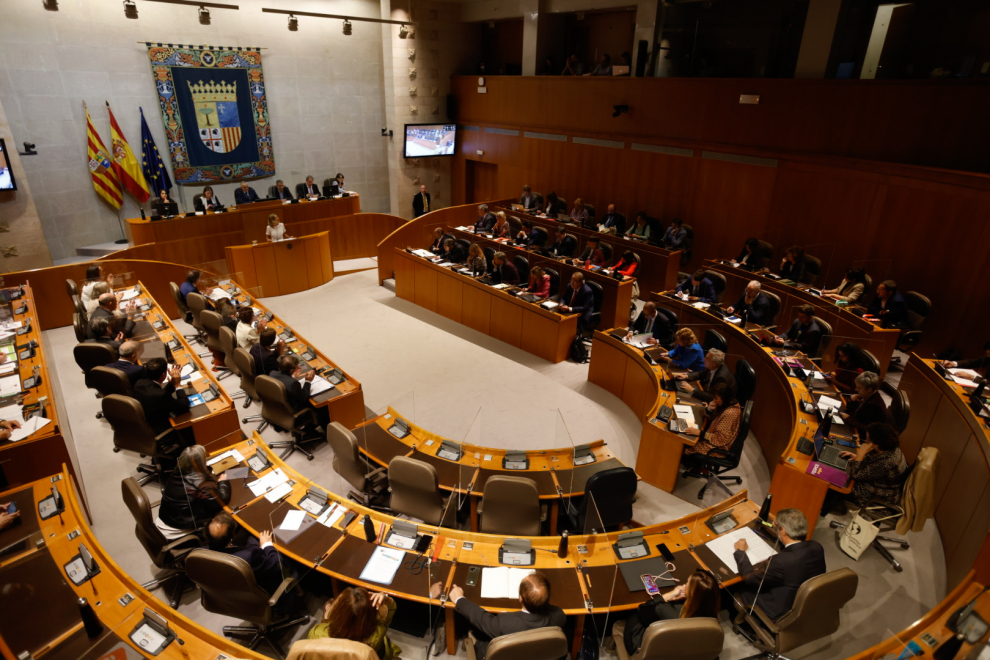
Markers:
{"x": 687, "y": 245}
{"x": 899, "y": 410}
{"x": 489, "y": 256}
{"x": 612, "y": 493}
{"x": 869, "y": 361}
{"x": 812, "y": 269}
{"x": 606, "y": 252}
{"x": 718, "y": 281}
{"x": 596, "y": 316}
{"x": 544, "y": 235}
{"x": 720, "y": 461}
{"x": 463, "y": 245}
{"x": 774, "y": 301}
{"x": 827, "y": 334}
{"x": 79, "y": 327}
{"x": 919, "y": 309}
{"x": 714, "y": 339}
{"x": 554, "y": 283}
{"x": 766, "y": 249}
{"x": 745, "y": 382}
{"x": 522, "y": 265}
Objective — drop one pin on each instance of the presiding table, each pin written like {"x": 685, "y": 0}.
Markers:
{"x": 283, "y": 267}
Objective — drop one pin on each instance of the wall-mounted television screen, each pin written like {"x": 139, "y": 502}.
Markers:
{"x": 6, "y": 174}
{"x": 424, "y": 140}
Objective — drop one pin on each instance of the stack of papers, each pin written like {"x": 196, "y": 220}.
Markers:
{"x": 426, "y": 254}
{"x": 318, "y": 386}
{"x": 133, "y": 292}
{"x": 500, "y": 286}
{"x": 700, "y": 305}
{"x": 502, "y": 581}
{"x": 7, "y": 368}
{"x": 382, "y": 566}
{"x": 272, "y": 480}
{"x": 965, "y": 382}
{"x": 29, "y": 427}
{"x": 686, "y": 413}
{"x": 10, "y": 386}
{"x": 293, "y": 520}
{"x": 332, "y": 515}
{"x": 219, "y": 457}
{"x": 758, "y": 550}
{"x": 217, "y": 294}
{"x": 827, "y": 403}
{"x": 640, "y": 341}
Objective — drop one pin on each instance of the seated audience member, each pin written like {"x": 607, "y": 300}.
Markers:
{"x": 640, "y": 230}
{"x": 676, "y": 234}
{"x": 651, "y": 321}
{"x": 501, "y": 228}
{"x": 266, "y": 352}
{"x": 866, "y": 406}
{"x": 613, "y": 223}
{"x": 102, "y": 331}
{"x": 774, "y": 586}
{"x": 701, "y": 599}
{"x": 554, "y": 206}
{"x": 751, "y": 258}
{"x": 438, "y": 239}
{"x": 889, "y": 306}
{"x": 158, "y": 398}
{"x": 563, "y": 245}
{"x": 192, "y": 495}
{"x": 191, "y": 285}
{"x": 97, "y": 290}
{"x": 792, "y": 267}
{"x": 337, "y": 186}
{"x": 129, "y": 353}
{"x": 804, "y": 335}
{"x": 310, "y": 190}
{"x": 486, "y": 220}
{"x": 752, "y": 306}
{"x": 8, "y": 518}
{"x": 360, "y": 616}
{"x": 846, "y": 368}
{"x": 94, "y": 276}
{"x": 973, "y": 369}
{"x": 247, "y": 334}
{"x": 536, "y": 611}
{"x": 592, "y": 255}
{"x": 850, "y": 289}
{"x": 715, "y": 372}
{"x": 245, "y": 194}
{"x": 604, "y": 67}
{"x": 579, "y": 214}
{"x": 688, "y": 353}
{"x": 288, "y": 374}
{"x": 529, "y": 199}
{"x": 223, "y": 534}
{"x": 281, "y": 191}
{"x": 578, "y": 299}
{"x": 698, "y": 288}
{"x": 228, "y": 315}
{"x": 529, "y": 236}
{"x": 476, "y": 260}
{"x": 503, "y": 270}
{"x": 878, "y": 466}
{"x": 107, "y": 305}
{"x": 451, "y": 252}
{"x": 539, "y": 283}
{"x": 720, "y": 426}
{"x": 275, "y": 231}
{"x": 626, "y": 265}
{"x": 626, "y": 60}
{"x": 572, "y": 67}
{"x": 207, "y": 201}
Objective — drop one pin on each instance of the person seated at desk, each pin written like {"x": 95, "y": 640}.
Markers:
{"x": 94, "y": 276}
{"x": 676, "y": 234}
{"x": 975, "y": 368}
{"x": 688, "y": 353}
{"x": 159, "y": 399}
{"x": 310, "y": 190}
{"x": 103, "y": 333}
{"x": 651, "y": 321}
{"x": 889, "y": 306}
{"x": 536, "y": 611}
{"x": 360, "y": 616}
{"x": 751, "y": 258}
{"x": 715, "y": 372}
{"x": 97, "y": 290}
{"x": 191, "y": 285}
{"x": 878, "y": 466}
{"x": 850, "y": 289}
{"x": 626, "y": 266}
{"x": 281, "y": 192}
{"x": 866, "y": 406}
{"x": 476, "y": 260}
{"x": 804, "y": 335}
{"x": 554, "y": 206}
{"x": 701, "y": 599}
{"x": 539, "y": 283}
{"x": 579, "y": 214}
{"x": 573, "y": 67}
{"x": 223, "y": 534}
{"x": 421, "y": 202}
{"x": 247, "y": 334}
{"x": 563, "y": 245}
{"x": 107, "y": 306}
{"x": 752, "y": 306}
{"x": 192, "y": 495}
{"x": 503, "y": 271}
{"x": 613, "y": 223}
{"x": 501, "y": 228}
{"x": 592, "y": 255}
{"x": 698, "y": 288}
{"x": 337, "y": 186}
{"x": 275, "y": 231}
{"x": 159, "y": 203}
{"x": 288, "y": 374}
{"x": 719, "y": 428}
{"x": 529, "y": 236}
{"x": 640, "y": 231}
{"x": 438, "y": 237}
{"x": 530, "y": 200}
{"x": 207, "y": 201}
{"x": 267, "y": 351}
{"x": 846, "y": 369}
{"x": 775, "y": 585}
{"x": 245, "y": 194}
{"x": 604, "y": 66}
{"x": 8, "y": 517}
{"x": 228, "y": 314}
{"x": 128, "y": 355}
{"x": 792, "y": 267}
{"x": 578, "y": 299}
{"x": 451, "y": 252}
{"x": 486, "y": 220}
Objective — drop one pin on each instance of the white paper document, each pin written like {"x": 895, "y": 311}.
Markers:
{"x": 8, "y": 367}
{"x": 29, "y": 427}
{"x": 217, "y": 294}
{"x": 758, "y": 550}
{"x": 274, "y": 478}
{"x": 382, "y": 566}
{"x": 332, "y": 515}
{"x": 686, "y": 413}
{"x": 965, "y": 382}
{"x": 426, "y": 254}
{"x": 219, "y": 457}
{"x": 640, "y": 341}
{"x": 828, "y": 403}
{"x": 11, "y": 413}
{"x": 278, "y": 492}
{"x": 293, "y": 519}
{"x": 318, "y": 386}
{"x": 133, "y": 292}
{"x": 10, "y": 386}
{"x": 502, "y": 581}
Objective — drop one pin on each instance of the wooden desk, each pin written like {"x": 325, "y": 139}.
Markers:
{"x": 284, "y": 267}
{"x": 480, "y": 307}
{"x": 616, "y": 294}
{"x": 249, "y": 219}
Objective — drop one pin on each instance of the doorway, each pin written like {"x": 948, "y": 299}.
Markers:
{"x": 480, "y": 182}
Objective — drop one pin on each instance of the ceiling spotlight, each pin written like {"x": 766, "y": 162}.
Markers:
{"x": 347, "y": 27}
{"x": 204, "y": 15}
{"x": 619, "y": 109}
{"x": 293, "y": 23}
{"x": 50, "y": 5}
{"x": 130, "y": 9}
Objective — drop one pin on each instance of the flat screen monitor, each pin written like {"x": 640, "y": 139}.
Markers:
{"x": 6, "y": 174}
{"x": 424, "y": 140}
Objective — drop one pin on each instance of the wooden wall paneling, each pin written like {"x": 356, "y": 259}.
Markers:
{"x": 240, "y": 264}
{"x": 955, "y": 511}
{"x": 405, "y": 277}
{"x": 924, "y": 396}
{"x": 266, "y": 262}
{"x": 949, "y": 433}
{"x": 506, "y": 321}
{"x": 608, "y": 373}
{"x": 449, "y": 295}
{"x": 314, "y": 258}
{"x": 476, "y": 308}
{"x": 973, "y": 536}
{"x": 326, "y": 260}
{"x": 637, "y": 392}
{"x": 426, "y": 286}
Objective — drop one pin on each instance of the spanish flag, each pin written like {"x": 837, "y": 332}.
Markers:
{"x": 101, "y": 167}
{"x": 125, "y": 165}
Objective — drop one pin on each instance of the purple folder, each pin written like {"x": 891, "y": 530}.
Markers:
{"x": 833, "y": 475}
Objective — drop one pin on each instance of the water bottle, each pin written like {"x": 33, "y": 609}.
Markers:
{"x": 369, "y": 529}
{"x": 90, "y": 621}
{"x": 562, "y": 548}
{"x": 765, "y": 509}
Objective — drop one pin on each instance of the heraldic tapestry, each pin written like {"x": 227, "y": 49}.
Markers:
{"x": 215, "y": 112}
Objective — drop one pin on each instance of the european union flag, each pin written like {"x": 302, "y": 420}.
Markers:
{"x": 151, "y": 162}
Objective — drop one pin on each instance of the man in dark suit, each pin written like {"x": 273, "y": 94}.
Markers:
{"x": 804, "y": 335}
{"x": 107, "y": 305}
{"x": 752, "y": 306}
{"x": 537, "y": 612}
{"x": 102, "y": 332}
{"x": 698, "y": 288}
{"x": 529, "y": 236}
{"x": 889, "y": 306}
{"x": 675, "y": 235}
{"x": 578, "y": 299}
{"x": 613, "y": 223}
{"x": 650, "y": 320}
{"x": 485, "y": 221}
{"x": 223, "y": 534}
{"x": 245, "y": 194}
{"x": 529, "y": 199}
{"x": 797, "y": 561}
{"x": 267, "y": 351}
{"x": 421, "y": 202}
{"x": 563, "y": 245}
{"x": 309, "y": 190}
{"x": 714, "y": 372}
{"x": 159, "y": 398}
{"x": 503, "y": 271}
{"x": 129, "y": 353}
{"x": 287, "y": 373}
{"x": 281, "y": 192}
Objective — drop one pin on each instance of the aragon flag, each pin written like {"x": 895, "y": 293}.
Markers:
{"x": 105, "y": 181}
{"x": 125, "y": 165}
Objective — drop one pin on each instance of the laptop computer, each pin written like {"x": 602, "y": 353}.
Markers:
{"x": 828, "y": 454}
{"x": 517, "y": 207}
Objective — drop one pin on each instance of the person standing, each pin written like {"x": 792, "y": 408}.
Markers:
{"x": 421, "y": 202}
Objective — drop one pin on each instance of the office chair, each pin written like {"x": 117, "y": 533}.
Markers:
{"x": 183, "y": 308}
{"x": 276, "y": 410}
{"x": 766, "y": 249}
{"x": 544, "y": 235}
{"x": 522, "y": 265}
{"x": 869, "y": 361}
{"x": 573, "y": 243}
{"x": 814, "y": 615}
{"x": 592, "y": 214}
{"x": 554, "y": 283}
{"x": 106, "y": 381}
{"x": 827, "y": 334}
{"x": 676, "y": 639}
{"x": 246, "y": 367}
{"x": 227, "y": 586}
{"x": 745, "y": 381}
{"x": 369, "y": 484}
{"x": 606, "y": 252}
{"x": 919, "y": 309}
{"x": 899, "y": 411}
{"x": 515, "y": 226}
{"x": 510, "y": 506}
{"x": 197, "y": 305}
{"x": 166, "y": 555}
{"x": 132, "y": 432}
{"x": 774, "y": 306}
{"x": 687, "y": 245}
{"x": 89, "y": 356}
{"x": 464, "y": 246}
{"x": 71, "y": 288}
{"x": 613, "y": 493}
{"x": 79, "y": 327}
{"x": 812, "y": 269}
{"x": 714, "y": 339}
{"x": 212, "y": 322}
{"x": 80, "y": 308}
{"x": 489, "y": 256}
{"x": 596, "y": 316}
{"x": 301, "y": 190}
{"x": 228, "y": 343}
{"x": 329, "y": 648}
{"x": 720, "y": 461}
{"x": 548, "y": 643}
{"x": 671, "y": 320}
{"x": 415, "y": 492}
{"x": 718, "y": 282}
